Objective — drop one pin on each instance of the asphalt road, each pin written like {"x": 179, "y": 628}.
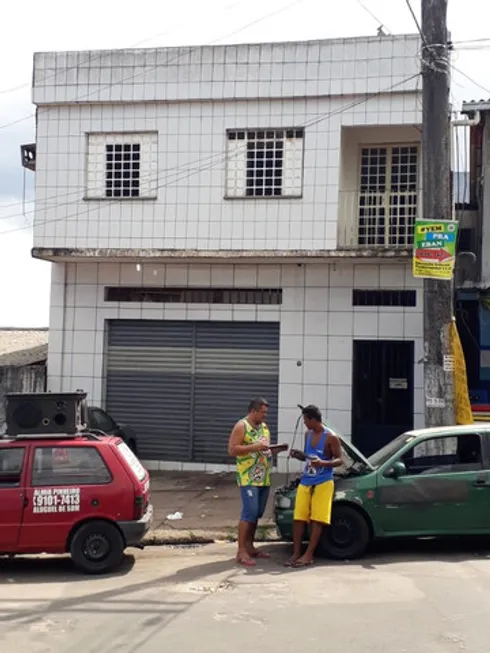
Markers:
{"x": 432, "y": 599}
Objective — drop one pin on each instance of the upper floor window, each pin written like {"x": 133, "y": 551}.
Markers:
{"x": 122, "y": 166}
{"x": 265, "y": 163}
{"x": 388, "y": 195}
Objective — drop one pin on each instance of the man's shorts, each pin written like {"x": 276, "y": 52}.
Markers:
{"x": 314, "y": 502}
{"x": 254, "y": 501}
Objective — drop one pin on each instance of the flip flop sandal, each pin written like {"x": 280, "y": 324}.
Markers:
{"x": 302, "y": 563}
{"x": 261, "y": 554}
{"x": 289, "y": 563}
{"x": 246, "y": 561}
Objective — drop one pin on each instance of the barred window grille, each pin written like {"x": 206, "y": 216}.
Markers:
{"x": 265, "y": 163}
{"x": 388, "y": 197}
{"x": 122, "y": 166}
{"x": 122, "y": 169}
{"x": 267, "y": 296}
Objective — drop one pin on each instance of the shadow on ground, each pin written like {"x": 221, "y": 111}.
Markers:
{"x": 157, "y": 610}
{"x": 50, "y": 569}
{"x": 61, "y": 569}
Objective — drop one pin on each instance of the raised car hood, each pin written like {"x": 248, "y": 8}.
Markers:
{"x": 354, "y": 453}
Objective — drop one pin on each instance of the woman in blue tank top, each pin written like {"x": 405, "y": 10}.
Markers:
{"x": 315, "y": 491}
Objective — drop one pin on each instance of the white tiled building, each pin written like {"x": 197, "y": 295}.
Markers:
{"x": 230, "y": 221}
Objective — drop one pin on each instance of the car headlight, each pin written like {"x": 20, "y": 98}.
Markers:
{"x": 283, "y": 502}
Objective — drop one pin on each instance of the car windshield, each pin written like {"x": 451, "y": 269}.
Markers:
{"x": 385, "y": 453}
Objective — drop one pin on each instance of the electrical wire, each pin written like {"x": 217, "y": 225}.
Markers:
{"x": 373, "y": 16}
{"x": 186, "y": 52}
{"x": 215, "y": 159}
{"x": 415, "y": 20}
{"x": 105, "y": 54}
{"x": 473, "y": 81}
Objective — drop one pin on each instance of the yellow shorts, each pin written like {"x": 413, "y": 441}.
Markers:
{"x": 314, "y": 503}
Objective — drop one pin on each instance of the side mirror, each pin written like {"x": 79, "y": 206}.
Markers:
{"x": 396, "y": 471}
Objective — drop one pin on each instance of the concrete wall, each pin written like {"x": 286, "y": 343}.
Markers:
{"x": 190, "y": 97}
{"x": 318, "y": 324}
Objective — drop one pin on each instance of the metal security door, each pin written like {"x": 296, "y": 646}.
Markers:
{"x": 182, "y": 385}
{"x": 149, "y": 384}
{"x": 235, "y": 361}
{"x": 382, "y": 392}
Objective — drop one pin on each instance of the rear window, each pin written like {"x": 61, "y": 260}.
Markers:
{"x": 69, "y": 466}
{"x": 135, "y": 465}
{"x": 11, "y": 461}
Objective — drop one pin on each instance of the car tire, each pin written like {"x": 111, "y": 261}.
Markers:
{"x": 97, "y": 547}
{"x": 348, "y": 535}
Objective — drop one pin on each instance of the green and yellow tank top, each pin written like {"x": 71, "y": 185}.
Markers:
{"x": 254, "y": 468}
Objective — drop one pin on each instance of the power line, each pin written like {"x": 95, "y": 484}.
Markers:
{"x": 215, "y": 159}
{"x": 271, "y": 14}
{"x": 317, "y": 119}
{"x": 107, "y": 53}
{"x": 415, "y": 19}
{"x": 473, "y": 81}
{"x": 373, "y": 16}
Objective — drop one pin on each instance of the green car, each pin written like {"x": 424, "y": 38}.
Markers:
{"x": 429, "y": 482}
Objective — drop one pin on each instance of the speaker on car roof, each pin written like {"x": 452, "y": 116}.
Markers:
{"x": 45, "y": 413}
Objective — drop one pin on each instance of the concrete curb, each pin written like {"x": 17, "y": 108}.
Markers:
{"x": 166, "y": 536}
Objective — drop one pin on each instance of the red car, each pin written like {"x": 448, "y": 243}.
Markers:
{"x": 85, "y": 495}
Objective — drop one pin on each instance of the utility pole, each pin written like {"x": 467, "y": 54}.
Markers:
{"x": 437, "y": 205}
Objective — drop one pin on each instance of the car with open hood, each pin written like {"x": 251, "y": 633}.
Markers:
{"x": 424, "y": 483}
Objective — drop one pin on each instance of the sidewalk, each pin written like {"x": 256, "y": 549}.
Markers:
{"x": 205, "y": 507}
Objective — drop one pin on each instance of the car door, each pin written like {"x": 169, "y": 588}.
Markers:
{"x": 440, "y": 492}
{"x": 68, "y": 483}
{"x": 13, "y": 462}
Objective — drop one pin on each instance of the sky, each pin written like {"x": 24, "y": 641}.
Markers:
{"x": 50, "y": 25}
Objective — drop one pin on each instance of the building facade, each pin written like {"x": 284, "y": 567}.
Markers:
{"x": 232, "y": 221}
{"x": 473, "y": 261}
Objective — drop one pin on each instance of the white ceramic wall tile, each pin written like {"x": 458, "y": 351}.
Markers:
{"x": 315, "y": 347}
{"x": 187, "y": 108}
{"x": 316, "y": 338}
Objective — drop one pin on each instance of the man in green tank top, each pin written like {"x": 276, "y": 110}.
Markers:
{"x": 250, "y": 444}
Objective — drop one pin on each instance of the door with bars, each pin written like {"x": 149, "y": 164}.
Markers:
{"x": 388, "y": 197}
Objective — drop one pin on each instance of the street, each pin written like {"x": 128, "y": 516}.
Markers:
{"x": 419, "y": 599}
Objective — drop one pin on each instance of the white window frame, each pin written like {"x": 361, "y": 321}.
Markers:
{"x": 384, "y": 200}
{"x": 293, "y": 163}
{"x": 96, "y": 165}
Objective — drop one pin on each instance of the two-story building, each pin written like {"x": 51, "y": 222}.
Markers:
{"x": 473, "y": 261}
{"x": 233, "y": 221}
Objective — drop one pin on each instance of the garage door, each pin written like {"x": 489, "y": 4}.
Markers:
{"x": 181, "y": 385}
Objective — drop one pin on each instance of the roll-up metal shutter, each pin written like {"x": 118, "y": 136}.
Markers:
{"x": 149, "y": 384}
{"x": 235, "y": 361}
{"x": 182, "y": 385}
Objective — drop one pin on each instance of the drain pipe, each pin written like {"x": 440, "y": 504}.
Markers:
{"x": 468, "y": 122}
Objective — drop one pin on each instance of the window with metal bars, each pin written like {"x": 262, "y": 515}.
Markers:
{"x": 361, "y": 297}
{"x": 389, "y": 195}
{"x": 122, "y": 174}
{"x": 265, "y": 163}
{"x": 193, "y": 295}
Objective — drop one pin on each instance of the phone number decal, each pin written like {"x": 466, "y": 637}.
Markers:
{"x": 56, "y": 500}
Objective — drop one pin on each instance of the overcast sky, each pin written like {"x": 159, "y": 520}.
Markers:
{"x": 53, "y": 25}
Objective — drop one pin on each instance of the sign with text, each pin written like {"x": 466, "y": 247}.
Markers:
{"x": 434, "y": 249}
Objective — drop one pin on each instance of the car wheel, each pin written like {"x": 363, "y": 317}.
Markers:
{"x": 348, "y": 535}
{"x": 97, "y": 547}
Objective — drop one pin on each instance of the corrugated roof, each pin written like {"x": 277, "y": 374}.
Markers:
{"x": 476, "y": 105}
{"x": 20, "y": 347}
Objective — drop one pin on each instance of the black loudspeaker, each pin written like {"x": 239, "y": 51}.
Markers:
{"x": 45, "y": 413}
